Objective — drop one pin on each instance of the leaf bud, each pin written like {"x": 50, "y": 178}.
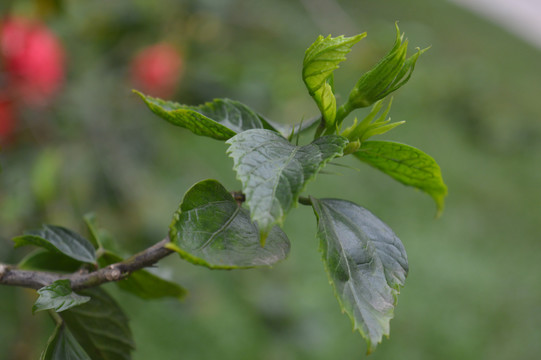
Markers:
{"x": 393, "y": 71}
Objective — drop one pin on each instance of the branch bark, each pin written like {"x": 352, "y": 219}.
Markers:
{"x": 10, "y": 275}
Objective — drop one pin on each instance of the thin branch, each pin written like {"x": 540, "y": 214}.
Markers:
{"x": 10, "y": 275}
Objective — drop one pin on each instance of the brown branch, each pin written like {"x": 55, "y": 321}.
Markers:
{"x": 10, "y": 275}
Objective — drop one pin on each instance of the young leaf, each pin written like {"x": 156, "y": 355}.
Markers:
{"x": 142, "y": 283}
{"x": 100, "y": 327}
{"x": 220, "y": 119}
{"x": 408, "y": 165}
{"x": 370, "y": 125}
{"x": 41, "y": 259}
{"x": 320, "y": 60}
{"x": 62, "y": 345}
{"x": 303, "y": 127}
{"x": 212, "y": 230}
{"x": 59, "y": 239}
{"x": 58, "y": 296}
{"x": 391, "y": 73}
{"x": 274, "y": 172}
{"x": 366, "y": 264}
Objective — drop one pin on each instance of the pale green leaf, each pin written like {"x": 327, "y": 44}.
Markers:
{"x": 59, "y": 239}
{"x": 212, "y": 230}
{"x": 63, "y": 346}
{"x": 58, "y": 297}
{"x": 320, "y": 60}
{"x": 391, "y": 73}
{"x": 274, "y": 172}
{"x": 408, "y": 165}
{"x": 366, "y": 264}
{"x": 100, "y": 327}
{"x": 220, "y": 119}
{"x": 370, "y": 125}
{"x": 378, "y": 129}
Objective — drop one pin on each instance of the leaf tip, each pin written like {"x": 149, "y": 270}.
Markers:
{"x": 138, "y": 93}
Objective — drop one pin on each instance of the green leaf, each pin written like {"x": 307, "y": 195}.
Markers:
{"x": 212, "y": 230}
{"x": 41, "y": 259}
{"x": 100, "y": 326}
{"x": 320, "y": 61}
{"x": 58, "y": 296}
{"x": 391, "y": 73}
{"x": 59, "y": 239}
{"x": 408, "y": 165}
{"x": 370, "y": 125}
{"x": 220, "y": 119}
{"x": 142, "y": 283}
{"x": 90, "y": 222}
{"x": 366, "y": 264}
{"x": 274, "y": 172}
{"x": 62, "y": 346}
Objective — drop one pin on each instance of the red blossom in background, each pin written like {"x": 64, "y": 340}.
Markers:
{"x": 7, "y": 118}
{"x": 32, "y": 69}
{"x": 33, "y": 60}
{"x": 156, "y": 70}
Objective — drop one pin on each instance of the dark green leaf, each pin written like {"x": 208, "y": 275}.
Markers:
{"x": 274, "y": 172}
{"x": 366, "y": 264}
{"x": 143, "y": 283}
{"x": 220, "y": 119}
{"x": 406, "y": 164}
{"x": 320, "y": 60}
{"x": 63, "y": 346}
{"x": 100, "y": 326}
{"x": 41, "y": 259}
{"x": 212, "y": 230}
{"x": 59, "y": 239}
{"x": 58, "y": 296}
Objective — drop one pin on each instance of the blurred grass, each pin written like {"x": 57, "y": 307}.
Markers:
{"x": 473, "y": 290}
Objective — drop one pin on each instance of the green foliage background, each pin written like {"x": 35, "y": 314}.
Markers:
{"x": 473, "y": 290}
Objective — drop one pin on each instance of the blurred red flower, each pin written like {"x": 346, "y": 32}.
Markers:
{"x": 156, "y": 70}
{"x": 7, "y": 119}
{"x": 33, "y": 60}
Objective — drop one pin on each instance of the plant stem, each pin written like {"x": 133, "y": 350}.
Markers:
{"x": 342, "y": 112}
{"x": 305, "y": 201}
{"x": 10, "y": 275}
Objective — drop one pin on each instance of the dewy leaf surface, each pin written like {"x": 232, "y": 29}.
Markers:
{"x": 100, "y": 326}
{"x": 320, "y": 60}
{"x": 408, "y": 165}
{"x": 143, "y": 283}
{"x": 212, "y": 230}
{"x": 59, "y": 239}
{"x": 63, "y": 346}
{"x": 274, "y": 172}
{"x": 220, "y": 119}
{"x": 58, "y": 297}
{"x": 366, "y": 264}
